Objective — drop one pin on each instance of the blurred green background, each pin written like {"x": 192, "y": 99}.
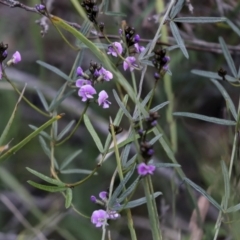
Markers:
{"x": 201, "y": 145}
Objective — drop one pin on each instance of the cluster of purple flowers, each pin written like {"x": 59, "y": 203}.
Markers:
{"x": 86, "y": 83}
{"x": 100, "y": 217}
{"x": 132, "y": 42}
{"x": 16, "y": 57}
{"x": 160, "y": 62}
{"x": 146, "y": 149}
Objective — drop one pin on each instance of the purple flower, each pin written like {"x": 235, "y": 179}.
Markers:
{"x": 93, "y": 199}
{"x": 82, "y": 82}
{"x": 99, "y": 217}
{"x": 102, "y": 99}
{"x": 150, "y": 152}
{"x": 144, "y": 169}
{"x": 165, "y": 67}
{"x": 129, "y": 62}
{"x": 136, "y": 38}
{"x": 165, "y": 61}
{"x": 39, "y": 7}
{"x": 79, "y": 71}
{"x": 113, "y": 215}
{"x": 107, "y": 75}
{"x": 16, "y": 58}
{"x": 156, "y": 76}
{"x": 4, "y": 54}
{"x": 120, "y": 31}
{"x": 116, "y": 50}
{"x": 139, "y": 48}
{"x": 103, "y": 195}
{"x": 86, "y": 92}
{"x": 154, "y": 123}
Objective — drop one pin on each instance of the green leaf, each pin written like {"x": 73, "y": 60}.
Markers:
{"x": 42, "y": 98}
{"x": 203, "y": 192}
{"x": 228, "y": 57}
{"x": 15, "y": 148}
{"x": 226, "y": 97}
{"x": 233, "y": 27}
{"x": 55, "y": 104}
{"x": 121, "y": 105}
{"x": 155, "y": 109}
{"x": 176, "y": 8}
{"x": 143, "y": 104}
{"x": 155, "y": 139}
{"x": 233, "y": 209}
{"x": 166, "y": 165}
{"x": 135, "y": 203}
{"x": 212, "y": 75}
{"x": 44, "y": 147}
{"x": 178, "y": 38}
{"x": 226, "y": 185}
{"x": 55, "y": 70}
{"x": 77, "y": 171}
{"x": 125, "y": 154}
{"x": 116, "y": 122}
{"x": 93, "y": 133}
{"x": 146, "y": 99}
{"x": 200, "y": 19}
{"x": 69, "y": 196}
{"x": 115, "y": 14}
{"x": 47, "y": 188}
{"x": 205, "y": 118}
{"x": 58, "y": 94}
{"x": 120, "y": 187}
{"x": 65, "y": 130}
{"x": 44, "y": 134}
{"x": 46, "y": 178}
{"x": 69, "y": 159}
{"x": 10, "y": 121}
{"x": 168, "y": 49}
{"x": 129, "y": 190}
{"x": 131, "y": 161}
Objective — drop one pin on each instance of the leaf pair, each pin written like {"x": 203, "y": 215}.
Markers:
{"x": 59, "y": 186}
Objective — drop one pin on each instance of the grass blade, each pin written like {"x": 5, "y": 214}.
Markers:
{"x": 69, "y": 159}
{"x": 227, "y": 98}
{"x": 204, "y": 193}
{"x": 178, "y": 38}
{"x": 121, "y": 105}
{"x": 205, "y": 118}
{"x": 200, "y": 19}
{"x": 55, "y": 70}
{"x": 15, "y": 148}
{"x": 228, "y": 57}
{"x": 93, "y": 133}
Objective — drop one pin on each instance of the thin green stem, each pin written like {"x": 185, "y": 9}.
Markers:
{"x": 233, "y": 154}
{"x": 152, "y": 95}
{"x": 76, "y": 127}
{"x": 120, "y": 172}
{"x": 168, "y": 88}
{"x": 156, "y": 233}
{"x": 25, "y": 99}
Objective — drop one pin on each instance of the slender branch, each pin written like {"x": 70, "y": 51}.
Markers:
{"x": 195, "y": 44}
